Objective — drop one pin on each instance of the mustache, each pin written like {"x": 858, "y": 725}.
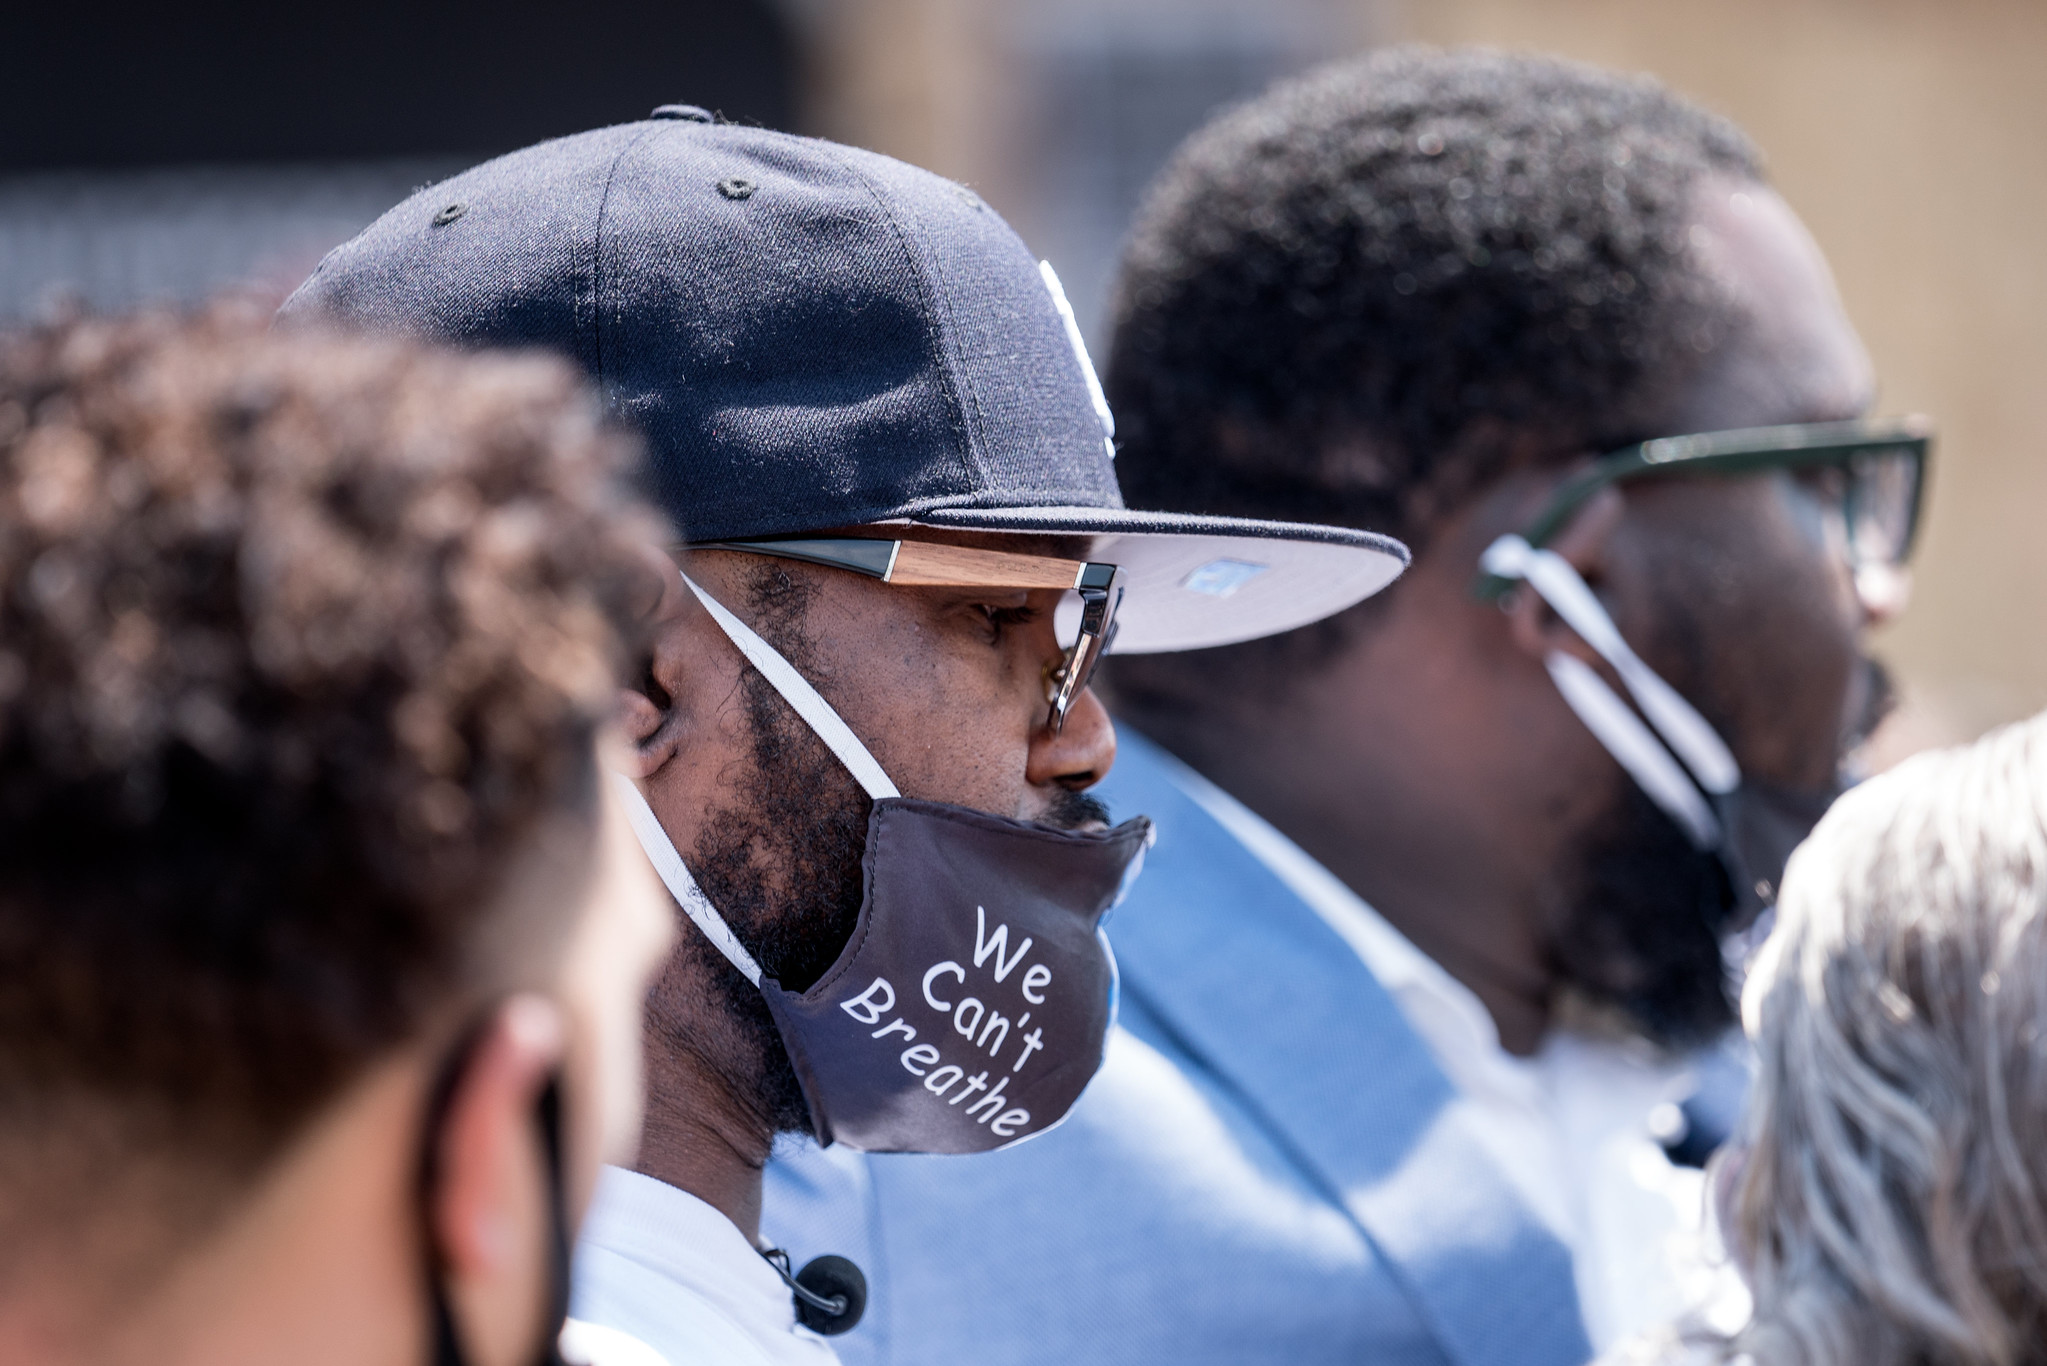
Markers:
{"x": 1071, "y": 810}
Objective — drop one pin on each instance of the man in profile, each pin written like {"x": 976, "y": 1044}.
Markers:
{"x": 863, "y": 733}
{"x": 1436, "y": 912}
{"x": 321, "y": 943}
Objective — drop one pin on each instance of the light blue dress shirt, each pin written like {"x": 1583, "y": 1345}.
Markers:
{"x": 1270, "y": 1167}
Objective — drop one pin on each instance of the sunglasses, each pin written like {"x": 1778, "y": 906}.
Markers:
{"x": 1875, "y": 468}
{"x": 924, "y": 564}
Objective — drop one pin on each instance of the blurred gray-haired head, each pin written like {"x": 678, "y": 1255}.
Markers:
{"x": 1891, "y": 1204}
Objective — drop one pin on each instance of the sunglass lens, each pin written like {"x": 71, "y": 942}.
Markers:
{"x": 1883, "y": 497}
{"x": 1108, "y": 639}
{"x": 1097, "y": 635}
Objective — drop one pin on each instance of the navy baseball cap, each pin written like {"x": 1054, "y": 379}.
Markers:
{"x": 812, "y": 337}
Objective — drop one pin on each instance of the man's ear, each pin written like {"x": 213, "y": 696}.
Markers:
{"x": 682, "y": 643}
{"x": 1586, "y": 543}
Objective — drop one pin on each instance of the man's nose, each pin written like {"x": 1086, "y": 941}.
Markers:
{"x": 1077, "y": 755}
{"x": 1883, "y": 591}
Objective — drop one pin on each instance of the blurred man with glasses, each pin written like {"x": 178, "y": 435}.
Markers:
{"x": 1434, "y": 931}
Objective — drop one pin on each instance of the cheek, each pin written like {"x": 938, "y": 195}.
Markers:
{"x": 954, "y": 723}
{"x": 1798, "y": 589}
{"x": 1734, "y": 590}
{"x": 1777, "y": 637}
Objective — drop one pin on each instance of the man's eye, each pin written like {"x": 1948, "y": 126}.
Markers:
{"x": 1000, "y": 619}
{"x": 1826, "y": 482}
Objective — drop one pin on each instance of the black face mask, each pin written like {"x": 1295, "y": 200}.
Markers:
{"x": 547, "y": 1114}
{"x": 1681, "y": 764}
{"x": 1763, "y": 824}
{"x": 971, "y": 1006}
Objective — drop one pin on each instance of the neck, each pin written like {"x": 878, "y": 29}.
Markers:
{"x": 318, "y": 1265}
{"x": 1403, "y": 847}
{"x": 699, "y": 1138}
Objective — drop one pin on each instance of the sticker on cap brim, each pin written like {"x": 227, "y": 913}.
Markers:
{"x": 1220, "y": 578}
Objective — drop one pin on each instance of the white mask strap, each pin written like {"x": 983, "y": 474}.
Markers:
{"x": 1617, "y": 727}
{"x": 797, "y": 692}
{"x": 1687, "y": 733}
{"x": 818, "y": 713}
{"x": 661, "y": 853}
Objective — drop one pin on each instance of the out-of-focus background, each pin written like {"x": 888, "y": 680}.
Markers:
{"x": 163, "y": 152}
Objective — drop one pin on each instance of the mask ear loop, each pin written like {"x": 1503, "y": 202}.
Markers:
{"x": 797, "y": 692}
{"x": 447, "y": 1349}
{"x": 675, "y": 875}
{"x": 1687, "y": 734}
{"x": 1634, "y": 748}
{"x": 815, "y": 711}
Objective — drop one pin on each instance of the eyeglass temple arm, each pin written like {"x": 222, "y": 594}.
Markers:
{"x": 1571, "y": 496}
{"x": 1097, "y": 583}
{"x": 1721, "y": 453}
{"x": 926, "y": 564}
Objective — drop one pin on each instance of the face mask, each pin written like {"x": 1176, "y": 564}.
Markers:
{"x": 447, "y": 1345}
{"x": 1682, "y": 765}
{"x": 971, "y": 1005}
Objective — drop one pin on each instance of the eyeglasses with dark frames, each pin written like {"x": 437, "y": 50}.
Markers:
{"x": 927, "y": 564}
{"x": 1881, "y": 467}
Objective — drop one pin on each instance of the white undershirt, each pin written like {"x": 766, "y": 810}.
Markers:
{"x": 1568, "y": 1127}
{"x": 593, "y": 1344}
{"x": 658, "y": 1263}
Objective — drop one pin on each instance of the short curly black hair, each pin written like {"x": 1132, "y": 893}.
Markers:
{"x": 1364, "y": 295}
{"x": 301, "y": 640}
{"x": 1377, "y": 286}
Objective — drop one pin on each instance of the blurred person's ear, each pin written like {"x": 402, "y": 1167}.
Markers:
{"x": 1586, "y": 543}
{"x": 489, "y": 1205}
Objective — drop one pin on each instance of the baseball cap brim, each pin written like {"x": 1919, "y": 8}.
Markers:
{"x": 1192, "y": 582}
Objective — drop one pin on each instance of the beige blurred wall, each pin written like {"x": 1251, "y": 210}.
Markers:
{"x": 1912, "y": 134}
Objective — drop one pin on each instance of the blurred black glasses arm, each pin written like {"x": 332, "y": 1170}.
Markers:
{"x": 1732, "y": 452}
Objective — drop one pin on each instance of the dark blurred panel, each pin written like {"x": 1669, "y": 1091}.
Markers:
{"x": 1115, "y": 87}
{"x": 132, "y": 83}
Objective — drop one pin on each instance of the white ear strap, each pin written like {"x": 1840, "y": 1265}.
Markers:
{"x": 1687, "y": 733}
{"x": 798, "y": 693}
{"x": 1634, "y": 748}
{"x": 661, "y": 853}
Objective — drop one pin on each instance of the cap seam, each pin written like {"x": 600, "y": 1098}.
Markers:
{"x": 600, "y": 367}
{"x": 975, "y": 466}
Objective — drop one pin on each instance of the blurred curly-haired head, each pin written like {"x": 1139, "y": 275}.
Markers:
{"x": 301, "y": 641}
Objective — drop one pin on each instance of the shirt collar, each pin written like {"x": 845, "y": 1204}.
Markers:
{"x": 688, "y": 1241}
{"x": 1390, "y": 955}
